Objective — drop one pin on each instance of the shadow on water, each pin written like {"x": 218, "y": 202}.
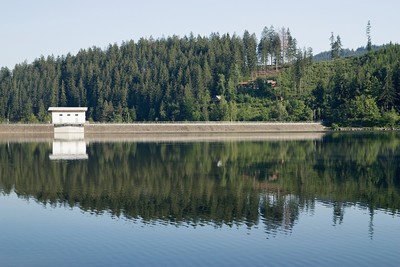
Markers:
{"x": 266, "y": 183}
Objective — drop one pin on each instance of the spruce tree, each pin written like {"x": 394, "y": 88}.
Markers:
{"x": 368, "y": 32}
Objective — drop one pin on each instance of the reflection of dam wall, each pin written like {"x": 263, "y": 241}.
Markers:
{"x": 69, "y": 144}
{"x": 166, "y": 137}
{"x": 202, "y": 137}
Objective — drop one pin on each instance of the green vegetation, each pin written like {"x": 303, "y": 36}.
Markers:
{"x": 345, "y": 53}
{"x": 359, "y": 92}
{"x": 218, "y": 78}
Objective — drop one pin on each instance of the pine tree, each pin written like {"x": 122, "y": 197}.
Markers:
{"x": 368, "y": 32}
{"x": 284, "y": 44}
{"x": 188, "y": 105}
{"x": 271, "y": 36}
{"x": 250, "y": 45}
{"x": 42, "y": 114}
{"x": 332, "y": 39}
{"x": 336, "y": 47}
{"x": 277, "y": 50}
{"x": 264, "y": 47}
{"x": 54, "y": 93}
{"x": 221, "y": 90}
{"x": 63, "y": 96}
{"x": 387, "y": 95}
{"x": 291, "y": 47}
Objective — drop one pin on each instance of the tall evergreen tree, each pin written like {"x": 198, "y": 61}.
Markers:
{"x": 63, "y": 96}
{"x": 368, "y": 32}
{"x": 271, "y": 39}
{"x": 284, "y": 44}
{"x": 250, "y": 45}
{"x": 336, "y": 47}
{"x": 277, "y": 45}
{"x": 264, "y": 47}
{"x": 387, "y": 95}
{"x": 291, "y": 47}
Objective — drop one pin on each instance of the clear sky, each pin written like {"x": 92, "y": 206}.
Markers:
{"x": 31, "y": 28}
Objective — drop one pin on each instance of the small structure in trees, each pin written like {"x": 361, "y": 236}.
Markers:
{"x": 68, "y": 116}
{"x": 272, "y": 83}
{"x": 69, "y": 139}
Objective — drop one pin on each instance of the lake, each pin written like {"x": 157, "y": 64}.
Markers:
{"x": 315, "y": 200}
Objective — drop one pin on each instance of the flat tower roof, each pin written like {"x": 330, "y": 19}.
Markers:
{"x": 68, "y": 109}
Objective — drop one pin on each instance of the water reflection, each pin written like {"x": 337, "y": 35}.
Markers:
{"x": 69, "y": 146}
{"x": 252, "y": 183}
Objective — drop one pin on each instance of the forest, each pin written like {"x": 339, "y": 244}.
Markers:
{"x": 216, "y": 78}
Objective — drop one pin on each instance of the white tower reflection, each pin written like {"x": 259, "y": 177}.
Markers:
{"x": 69, "y": 145}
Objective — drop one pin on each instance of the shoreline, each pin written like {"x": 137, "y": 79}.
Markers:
{"x": 204, "y": 128}
{"x": 170, "y": 132}
{"x": 177, "y": 127}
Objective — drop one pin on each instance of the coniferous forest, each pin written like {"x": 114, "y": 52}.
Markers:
{"x": 216, "y": 78}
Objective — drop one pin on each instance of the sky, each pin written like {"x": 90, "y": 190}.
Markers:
{"x": 30, "y": 29}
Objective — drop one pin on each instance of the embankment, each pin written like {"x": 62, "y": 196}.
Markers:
{"x": 208, "y": 127}
{"x": 171, "y": 132}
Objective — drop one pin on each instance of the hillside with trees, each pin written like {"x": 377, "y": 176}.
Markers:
{"x": 168, "y": 79}
{"x": 326, "y": 55}
{"x": 216, "y": 78}
{"x": 360, "y": 91}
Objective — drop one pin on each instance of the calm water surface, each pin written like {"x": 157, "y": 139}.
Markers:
{"x": 321, "y": 202}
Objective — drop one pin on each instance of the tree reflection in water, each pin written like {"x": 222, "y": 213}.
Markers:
{"x": 265, "y": 183}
